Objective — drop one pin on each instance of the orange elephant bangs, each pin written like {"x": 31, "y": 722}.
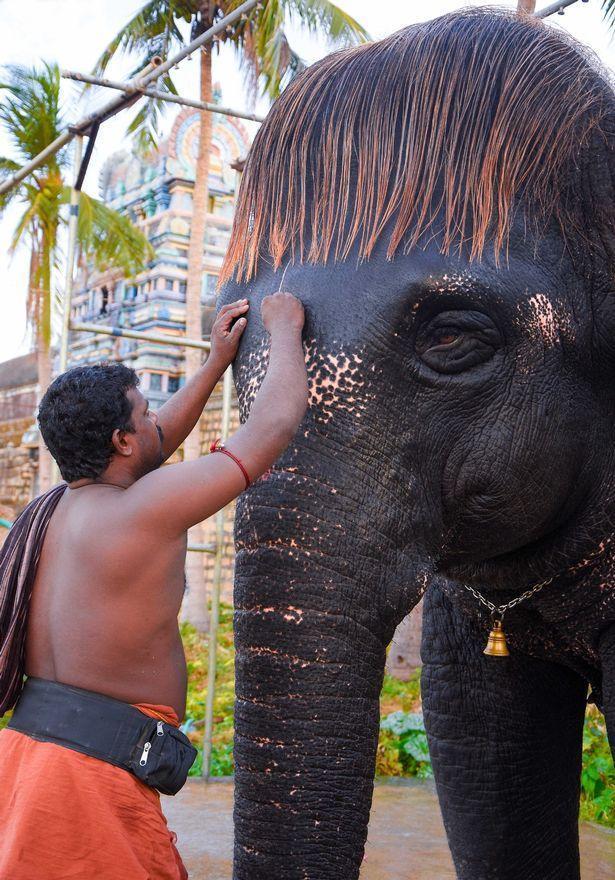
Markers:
{"x": 440, "y": 130}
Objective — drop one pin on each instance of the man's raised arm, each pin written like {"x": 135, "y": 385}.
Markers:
{"x": 176, "y": 497}
{"x": 181, "y": 412}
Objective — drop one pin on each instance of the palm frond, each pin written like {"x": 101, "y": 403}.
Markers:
{"x": 322, "y": 16}
{"x": 152, "y": 30}
{"x": 109, "y": 237}
{"x": 608, "y": 7}
{"x": 8, "y": 167}
{"x": 30, "y": 109}
{"x": 263, "y": 47}
{"x": 30, "y": 113}
{"x": 145, "y": 125}
{"x": 25, "y": 225}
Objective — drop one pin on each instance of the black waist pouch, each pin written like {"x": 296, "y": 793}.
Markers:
{"x": 155, "y": 752}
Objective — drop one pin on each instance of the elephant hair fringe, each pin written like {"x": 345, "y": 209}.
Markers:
{"x": 437, "y": 130}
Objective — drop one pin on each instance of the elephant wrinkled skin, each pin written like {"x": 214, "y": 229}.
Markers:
{"x": 460, "y": 432}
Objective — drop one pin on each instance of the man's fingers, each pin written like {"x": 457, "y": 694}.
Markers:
{"x": 224, "y": 320}
{"x": 238, "y": 328}
{"x": 234, "y": 305}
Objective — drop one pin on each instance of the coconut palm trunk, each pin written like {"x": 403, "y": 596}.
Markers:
{"x": 40, "y": 300}
{"x": 195, "y": 604}
{"x": 43, "y": 361}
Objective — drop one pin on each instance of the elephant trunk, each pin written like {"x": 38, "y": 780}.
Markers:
{"x": 310, "y": 647}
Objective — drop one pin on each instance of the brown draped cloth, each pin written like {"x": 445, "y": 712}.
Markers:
{"x": 19, "y": 558}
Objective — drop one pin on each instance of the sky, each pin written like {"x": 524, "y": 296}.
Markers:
{"x": 74, "y": 32}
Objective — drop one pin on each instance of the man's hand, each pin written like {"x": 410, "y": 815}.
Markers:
{"x": 282, "y": 312}
{"x": 225, "y": 335}
{"x": 181, "y": 412}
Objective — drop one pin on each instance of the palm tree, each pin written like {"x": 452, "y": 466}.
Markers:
{"x": 32, "y": 117}
{"x": 609, "y": 12}
{"x": 268, "y": 61}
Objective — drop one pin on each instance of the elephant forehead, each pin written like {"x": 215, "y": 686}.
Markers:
{"x": 546, "y": 325}
{"x": 249, "y": 375}
{"x": 340, "y": 378}
{"x": 546, "y": 319}
{"x": 337, "y": 380}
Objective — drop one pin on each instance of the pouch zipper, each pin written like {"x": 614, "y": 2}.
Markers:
{"x": 145, "y": 754}
{"x": 160, "y": 729}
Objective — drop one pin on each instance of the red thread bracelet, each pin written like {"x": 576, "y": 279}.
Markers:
{"x": 218, "y": 446}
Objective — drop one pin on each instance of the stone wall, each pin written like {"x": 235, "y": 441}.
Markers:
{"x": 17, "y": 470}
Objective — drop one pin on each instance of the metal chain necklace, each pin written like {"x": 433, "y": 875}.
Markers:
{"x": 496, "y": 643}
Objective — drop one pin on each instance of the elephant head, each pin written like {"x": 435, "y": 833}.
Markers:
{"x": 442, "y": 203}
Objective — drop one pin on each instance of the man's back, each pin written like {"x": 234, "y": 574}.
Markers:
{"x": 104, "y": 607}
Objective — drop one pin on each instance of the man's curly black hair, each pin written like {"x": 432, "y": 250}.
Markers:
{"x": 79, "y": 413}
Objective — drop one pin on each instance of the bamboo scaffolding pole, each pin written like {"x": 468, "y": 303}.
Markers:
{"x": 73, "y": 220}
{"x": 202, "y": 548}
{"x": 162, "y": 96}
{"x": 128, "y": 97}
{"x": 556, "y": 7}
{"x": 227, "y": 392}
{"x": 80, "y": 167}
{"x": 161, "y": 338}
{"x": 194, "y": 548}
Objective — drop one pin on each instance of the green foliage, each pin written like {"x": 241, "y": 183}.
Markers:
{"x": 402, "y": 750}
{"x": 598, "y": 774}
{"x": 397, "y": 694}
{"x": 402, "y": 746}
{"x": 30, "y": 111}
{"x": 109, "y": 238}
{"x": 196, "y": 648}
{"x": 406, "y": 746}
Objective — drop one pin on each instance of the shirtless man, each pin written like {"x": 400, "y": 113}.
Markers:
{"x": 107, "y": 590}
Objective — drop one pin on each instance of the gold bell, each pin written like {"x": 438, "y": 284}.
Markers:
{"x": 496, "y": 643}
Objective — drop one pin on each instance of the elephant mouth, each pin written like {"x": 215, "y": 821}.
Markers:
{"x": 489, "y": 538}
{"x": 510, "y": 570}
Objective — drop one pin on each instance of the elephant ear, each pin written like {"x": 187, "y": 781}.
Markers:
{"x": 600, "y": 190}
{"x": 591, "y": 240}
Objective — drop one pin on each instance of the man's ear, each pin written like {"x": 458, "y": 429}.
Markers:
{"x": 121, "y": 443}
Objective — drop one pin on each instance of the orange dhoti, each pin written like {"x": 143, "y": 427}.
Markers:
{"x": 67, "y": 816}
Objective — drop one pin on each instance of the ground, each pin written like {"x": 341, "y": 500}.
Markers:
{"x": 406, "y": 837}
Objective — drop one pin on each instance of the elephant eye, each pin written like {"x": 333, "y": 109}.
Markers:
{"x": 445, "y": 337}
{"x": 455, "y": 341}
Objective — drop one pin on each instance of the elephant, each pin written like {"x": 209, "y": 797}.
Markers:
{"x": 443, "y": 203}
